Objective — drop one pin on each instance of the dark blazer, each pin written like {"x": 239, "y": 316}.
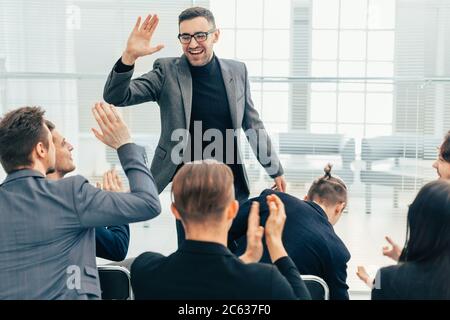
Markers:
{"x": 47, "y": 228}
{"x": 170, "y": 85}
{"x": 112, "y": 242}
{"x": 412, "y": 281}
{"x": 206, "y": 270}
{"x": 308, "y": 237}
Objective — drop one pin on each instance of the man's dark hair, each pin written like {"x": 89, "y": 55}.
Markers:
{"x": 50, "y": 125}
{"x": 195, "y": 12}
{"x": 20, "y": 131}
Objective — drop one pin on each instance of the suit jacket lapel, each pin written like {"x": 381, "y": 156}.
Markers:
{"x": 230, "y": 88}
{"x": 185, "y": 83}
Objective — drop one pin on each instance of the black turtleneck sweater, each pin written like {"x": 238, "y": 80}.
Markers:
{"x": 209, "y": 101}
{"x": 210, "y": 106}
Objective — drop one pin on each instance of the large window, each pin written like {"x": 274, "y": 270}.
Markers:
{"x": 352, "y": 39}
{"x": 257, "y": 32}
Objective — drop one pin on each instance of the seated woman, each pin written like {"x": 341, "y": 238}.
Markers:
{"x": 442, "y": 166}
{"x": 309, "y": 235}
{"x": 424, "y": 264}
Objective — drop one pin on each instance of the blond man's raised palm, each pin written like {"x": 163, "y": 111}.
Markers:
{"x": 139, "y": 41}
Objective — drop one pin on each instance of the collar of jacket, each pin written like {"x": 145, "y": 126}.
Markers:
{"x": 319, "y": 209}
{"x": 22, "y": 173}
{"x": 205, "y": 247}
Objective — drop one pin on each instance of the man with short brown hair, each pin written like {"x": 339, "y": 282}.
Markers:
{"x": 47, "y": 227}
{"x": 203, "y": 267}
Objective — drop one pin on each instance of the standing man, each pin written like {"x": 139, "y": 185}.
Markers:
{"x": 197, "y": 93}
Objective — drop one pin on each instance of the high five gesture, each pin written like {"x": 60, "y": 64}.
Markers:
{"x": 138, "y": 44}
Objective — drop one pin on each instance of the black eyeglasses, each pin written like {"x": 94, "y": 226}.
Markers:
{"x": 201, "y": 36}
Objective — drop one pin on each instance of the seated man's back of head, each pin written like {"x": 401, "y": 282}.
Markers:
{"x": 203, "y": 267}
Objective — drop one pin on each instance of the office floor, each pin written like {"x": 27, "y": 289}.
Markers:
{"x": 362, "y": 233}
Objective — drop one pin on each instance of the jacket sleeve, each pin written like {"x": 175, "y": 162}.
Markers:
{"x": 121, "y": 91}
{"x": 98, "y": 208}
{"x": 112, "y": 242}
{"x": 257, "y": 136}
{"x": 336, "y": 273}
{"x": 336, "y": 281}
{"x": 290, "y": 272}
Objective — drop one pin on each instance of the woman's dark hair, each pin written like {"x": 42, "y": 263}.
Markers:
{"x": 328, "y": 189}
{"x": 428, "y": 228}
{"x": 428, "y": 234}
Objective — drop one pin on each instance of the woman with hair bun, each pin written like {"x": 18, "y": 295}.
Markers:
{"x": 309, "y": 236}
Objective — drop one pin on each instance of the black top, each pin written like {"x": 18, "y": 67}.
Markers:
{"x": 120, "y": 67}
{"x": 413, "y": 281}
{"x": 207, "y": 270}
{"x": 210, "y": 107}
{"x": 308, "y": 237}
{"x": 112, "y": 242}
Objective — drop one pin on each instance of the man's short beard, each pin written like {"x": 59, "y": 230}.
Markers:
{"x": 50, "y": 170}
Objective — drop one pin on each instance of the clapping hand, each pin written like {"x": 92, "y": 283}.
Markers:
{"x": 111, "y": 182}
{"x": 255, "y": 233}
{"x": 274, "y": 227}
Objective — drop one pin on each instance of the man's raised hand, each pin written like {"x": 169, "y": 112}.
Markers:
{"x": 114, "y": 131}
{"x": 138, "y": 44}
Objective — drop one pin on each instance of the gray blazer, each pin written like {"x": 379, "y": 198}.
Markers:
{"x": 170, "y": 85}
{"x": 47, "y": 239}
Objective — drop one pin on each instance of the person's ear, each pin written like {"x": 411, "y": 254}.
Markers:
{"x": 305, "y": 198}
{"x": 175, "y": 211}
{"x": 232, "y": 210}
{"x": 339, "y": 208}
{"x": 40, "y": 150}
{"x": 216, "y": 36}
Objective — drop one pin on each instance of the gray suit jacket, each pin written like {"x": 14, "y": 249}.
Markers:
{"x": 47, "y": 239}
{"x": 170, "y": 85}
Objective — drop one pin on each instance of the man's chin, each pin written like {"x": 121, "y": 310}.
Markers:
{"x": 198, "y": 61}
{"x": 50, "y": 170}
